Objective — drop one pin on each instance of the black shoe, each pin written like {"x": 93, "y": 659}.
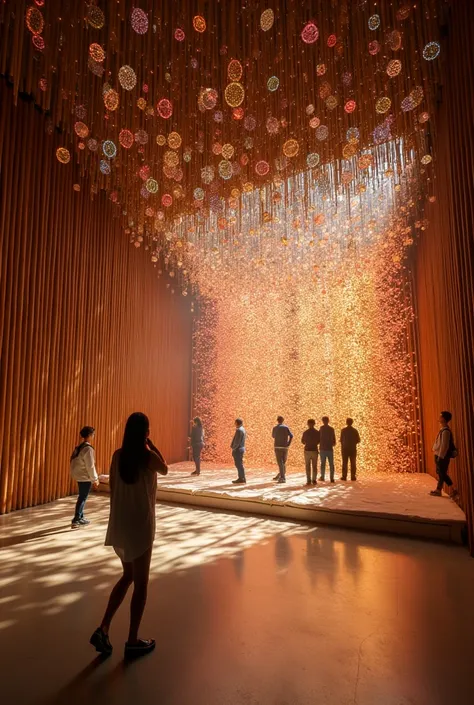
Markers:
{"x": 343, "y": 479}
{"x": 239, "y": 482}
{"x": 333, "y": 480}
{"x": 308, "y": 483}
{"x": 84, "y": 522}
{"x": 281, "y": 481}
{"x": 276, "y": 478}
{"x": 144, "y": 646}
{"x": 75, "y": 524}
{"x": 101, "y": 642}
{"x": 321, "y": 478}
{"x": 315, "y": 482}
{"x": 353, "y": 479}
{"x": 195, "y": 473}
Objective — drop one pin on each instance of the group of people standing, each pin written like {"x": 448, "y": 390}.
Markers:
{"x": 317, "y": 444}
{"x": 133, "y": 485}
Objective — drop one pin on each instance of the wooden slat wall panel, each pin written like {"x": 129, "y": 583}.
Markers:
{"x": 88, "y": 332}
{"x": 445, "y": 263}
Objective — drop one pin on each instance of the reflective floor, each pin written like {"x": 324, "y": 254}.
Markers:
{"x": 246, "y": 611}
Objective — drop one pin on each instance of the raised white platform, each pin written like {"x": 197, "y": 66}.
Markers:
{"x": 393, "y": 503}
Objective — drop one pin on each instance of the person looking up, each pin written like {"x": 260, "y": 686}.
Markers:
{"x": 349, "y": 441}
{"x": 238, "y": 451}
{"x": 326, "y": 448}
{"x": 282, "y": 437}
{"x": 197, "y": 443}
{"x": 311, "y": 440}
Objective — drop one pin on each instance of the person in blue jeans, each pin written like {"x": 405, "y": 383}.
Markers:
{"x": 84, "y": 473}
{"x": 326, "y": 448}
{"x": 238, "y": 450}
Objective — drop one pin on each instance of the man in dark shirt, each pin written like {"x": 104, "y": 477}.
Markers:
{"x": 238, "y": 450}
{"x": 311, "y": 441}
{"x": 326, "y": 447}
{"x": 349, "y": 440}
{"x": 283, "y": 438}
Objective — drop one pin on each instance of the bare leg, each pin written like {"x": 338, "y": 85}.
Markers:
{"x": 141, "y": 572}
{"x": 117, "y": 596}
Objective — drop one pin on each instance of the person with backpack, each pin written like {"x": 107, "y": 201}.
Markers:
{"x": 444, "y": 449}
{"x": 131, "y": 529}
{"x": 84, "y": 473}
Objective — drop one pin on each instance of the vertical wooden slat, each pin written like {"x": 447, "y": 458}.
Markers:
{"x": 445, "y": 264}
{"x": 88, "y": 332}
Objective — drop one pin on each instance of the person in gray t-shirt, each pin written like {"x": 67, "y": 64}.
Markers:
{"x": 282, "y": 437}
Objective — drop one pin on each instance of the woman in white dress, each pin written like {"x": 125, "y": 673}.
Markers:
{"x": 131, "y": 529}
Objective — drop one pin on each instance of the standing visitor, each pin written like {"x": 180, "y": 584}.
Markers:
{"x": 131, "y": 529}
{"x": 444, "y": 449}
{"x": 84, "y": 473}
{"x": 197, "y": 443}
{"x": 326, "y": 447}
{"x": 238, "y": 450}
{"x": 311, "y": 439}
{"x": 283, "y": 437}
{"x": 349, "y": 440}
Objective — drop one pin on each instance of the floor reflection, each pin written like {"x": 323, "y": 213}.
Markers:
{"x": 246, "y": 610}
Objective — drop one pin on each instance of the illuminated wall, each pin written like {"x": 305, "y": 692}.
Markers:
{"x": 325, "y": 327}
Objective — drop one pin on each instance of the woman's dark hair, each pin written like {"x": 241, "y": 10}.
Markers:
{"x": 134, "y": 453}
{"x": 197, "y": 421}
{"x": 86, "y": 431}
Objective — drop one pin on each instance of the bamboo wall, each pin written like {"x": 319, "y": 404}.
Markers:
{"x": 445, "y": 263}
{"x": 88, "y": 332}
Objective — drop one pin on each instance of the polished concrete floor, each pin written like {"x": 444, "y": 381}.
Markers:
{"x": 245, "y": 610}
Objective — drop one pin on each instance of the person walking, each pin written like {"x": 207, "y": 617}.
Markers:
{"x": 311, "y": 440}
{"x": 349, "y": 441}
{"x": 84, "y": 473}
{"x": 444, "y": 449}
{"x": 282, "y": 437}
{"x": 197, "y": 443}
{"x": 238, "y": 450}
{"x": 326, "y": 448}
{"x": 131, "y": 529}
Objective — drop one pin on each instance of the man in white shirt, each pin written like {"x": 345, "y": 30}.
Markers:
{"x": 84, "y": 473}
{"x": 444, "y": 450}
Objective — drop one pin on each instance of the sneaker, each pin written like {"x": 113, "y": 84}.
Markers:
{"x": 435, "y": 493}
{"x": 142, "y": 647}
{"x": 276, "y": 478}
{"x": 239, "y": 482}
{"x": 281, "y": 481}
{"x": 84, "y": 522}
{"x": 101, "y": 642}
{"x": 75, "y": 524}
